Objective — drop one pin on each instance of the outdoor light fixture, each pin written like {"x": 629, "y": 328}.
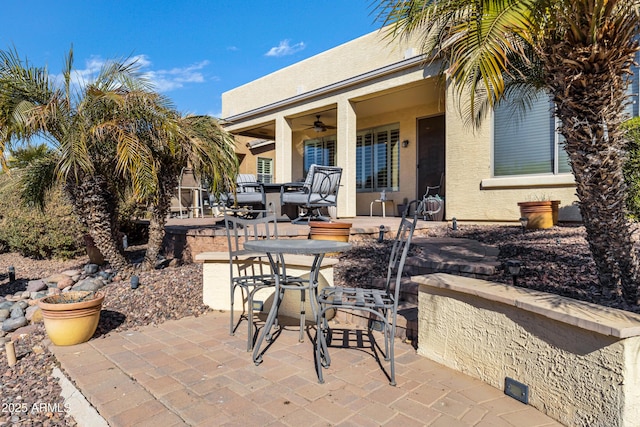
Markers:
{"x": 514, "y": 266}
{"x": 135, "y": 281}
{"x": 405, "y": 143}
{"x": 523, "y": 223}
{"x": 454, "y": 223}
{"x": 381, "y": 234}
{"x": 12, "y": 273}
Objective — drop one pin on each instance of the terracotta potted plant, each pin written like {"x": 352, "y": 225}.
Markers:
{"x": 540, "y": 214}
{"x": 330, "y": 230}
{"x": 72, "y": 317}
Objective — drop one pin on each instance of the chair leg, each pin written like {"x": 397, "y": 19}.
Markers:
{"x": 303, "y": 313}
{"x": 231, "y": 324}
{"x": 250, "y": 320}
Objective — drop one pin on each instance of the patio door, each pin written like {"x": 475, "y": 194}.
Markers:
{"x": 431, "y": 139}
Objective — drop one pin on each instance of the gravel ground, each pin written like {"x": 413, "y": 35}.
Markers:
{"x": 555, "y": 260}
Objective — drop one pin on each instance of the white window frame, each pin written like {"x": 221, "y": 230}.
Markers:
{"x": 369, "y": 161}
{"x": 264, "y": 170}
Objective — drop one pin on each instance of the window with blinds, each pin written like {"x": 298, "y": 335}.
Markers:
{"x": 265, "y": 170}
{"x": 378, "y": 159}
{"x": 527, "y": 144}
{"x": 319, "y": 152}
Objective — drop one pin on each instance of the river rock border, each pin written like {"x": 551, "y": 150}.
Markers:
{"x": 21, "y": 309}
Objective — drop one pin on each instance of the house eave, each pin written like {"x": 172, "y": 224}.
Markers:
{"x": 322, "y": 91}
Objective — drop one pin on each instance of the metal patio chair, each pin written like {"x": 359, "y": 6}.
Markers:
{"x": 381, "y": 305}
{"x": 249, "y": 271}
{"x": 249, "y": 193}
{"x": 319, "y": 190}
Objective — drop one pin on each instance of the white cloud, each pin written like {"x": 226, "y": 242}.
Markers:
{"x": 284, "y": 49}
{"x": 162, "y": 80}
{"x": 175, "y": 78}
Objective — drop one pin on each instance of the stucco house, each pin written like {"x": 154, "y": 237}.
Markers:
{"x": 379, "y": 111}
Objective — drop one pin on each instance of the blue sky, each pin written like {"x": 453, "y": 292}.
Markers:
{"x": 192, "y": 50}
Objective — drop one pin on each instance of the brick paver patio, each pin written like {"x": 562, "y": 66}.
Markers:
{"x": 191, "y": 372}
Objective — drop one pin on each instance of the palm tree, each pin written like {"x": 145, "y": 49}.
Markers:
{"x": 580, "y": 52}
{"x": 197, "y": 141}
{"x": 110, "y": 135}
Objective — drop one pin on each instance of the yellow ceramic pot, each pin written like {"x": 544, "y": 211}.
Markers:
{"x": 71, "y": 318}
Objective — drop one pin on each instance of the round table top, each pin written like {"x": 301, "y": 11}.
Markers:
{"x": 297, "y": 246}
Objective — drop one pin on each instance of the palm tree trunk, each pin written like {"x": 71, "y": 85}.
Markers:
{"x": 158, "y": 218}
{"x": 94, "y": 206}
{"x": 587, "y": 81}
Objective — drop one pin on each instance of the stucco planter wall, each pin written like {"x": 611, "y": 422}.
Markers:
{"x": 580, "y": 360}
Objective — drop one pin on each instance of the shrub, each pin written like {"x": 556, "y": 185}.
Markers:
{"x": 54, "y": 233}
{"x": 632, "y": 167}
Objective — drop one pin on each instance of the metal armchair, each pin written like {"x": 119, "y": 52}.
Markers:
{"x": 379, "y": 305}
{"x": 249, "y": 192}
{"x": 319, "y": 190}
{"x": 248, "y": 272}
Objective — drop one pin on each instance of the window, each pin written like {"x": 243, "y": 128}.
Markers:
{"x": 528, "y": 144}
{"x": 265, "y": 170}
{"x": 319, "y": 152}
{"x": 378, "y": 159}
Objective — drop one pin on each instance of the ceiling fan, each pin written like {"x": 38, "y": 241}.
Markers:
{"x": 318, "y": 126}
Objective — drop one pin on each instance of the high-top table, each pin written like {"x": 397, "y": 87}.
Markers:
{"x": 274, "y": 248}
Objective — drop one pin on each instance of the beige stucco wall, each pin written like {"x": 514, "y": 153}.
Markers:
{"x": 468, "y": 164}
{"x": 471, "y": 192}
{"x": 579, "y": 360}
{"x": 249, "y": 158}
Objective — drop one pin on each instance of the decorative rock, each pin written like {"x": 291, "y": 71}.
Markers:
{"x": 22, "y": 304}
{"x": 71, "y": 273}
{"x": 23, "y": 331}
{"x": 65, "y": 283}
{"x": 4, "y": 313}
{"x": 38, "y": 295}
{"x": 29, "y": 312}
{"x": 26, "y": 295}
{"x": 56, "y": 278}
{"x": 16, "y": 312}
{"x": 36, "y": 317}
{"x": 90, "y": 284}
{"x": 6, "y": 305}
{"x": 14, "y": 323}
{"x": 36, "y": 285}
{"x": 91, "y": 268}
{"x": 76, "y": 277}
{"x": 54, "y": 291}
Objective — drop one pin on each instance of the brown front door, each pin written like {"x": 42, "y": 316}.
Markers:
{"x": 431, "y": 139}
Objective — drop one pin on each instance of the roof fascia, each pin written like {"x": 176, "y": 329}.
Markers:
{"x": 370, "y": 75}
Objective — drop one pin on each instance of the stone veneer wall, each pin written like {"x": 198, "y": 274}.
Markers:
{"x": 579, "y": 360}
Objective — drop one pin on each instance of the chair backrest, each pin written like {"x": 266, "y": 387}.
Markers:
{"x": 400, "y": 249}
{"x": 241, "y": 229}
{"x": 245, "y": 178}
{"x": 322, "y": 183}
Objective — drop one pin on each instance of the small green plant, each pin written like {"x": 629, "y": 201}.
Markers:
{"x": 631, "y": 168}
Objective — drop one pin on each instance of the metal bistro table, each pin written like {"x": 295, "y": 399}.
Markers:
{"x": 274, "y": 247}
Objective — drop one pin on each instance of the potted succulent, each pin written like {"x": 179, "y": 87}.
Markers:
{"x": 540, "y": 213}
{"x": 72, "y": 317}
